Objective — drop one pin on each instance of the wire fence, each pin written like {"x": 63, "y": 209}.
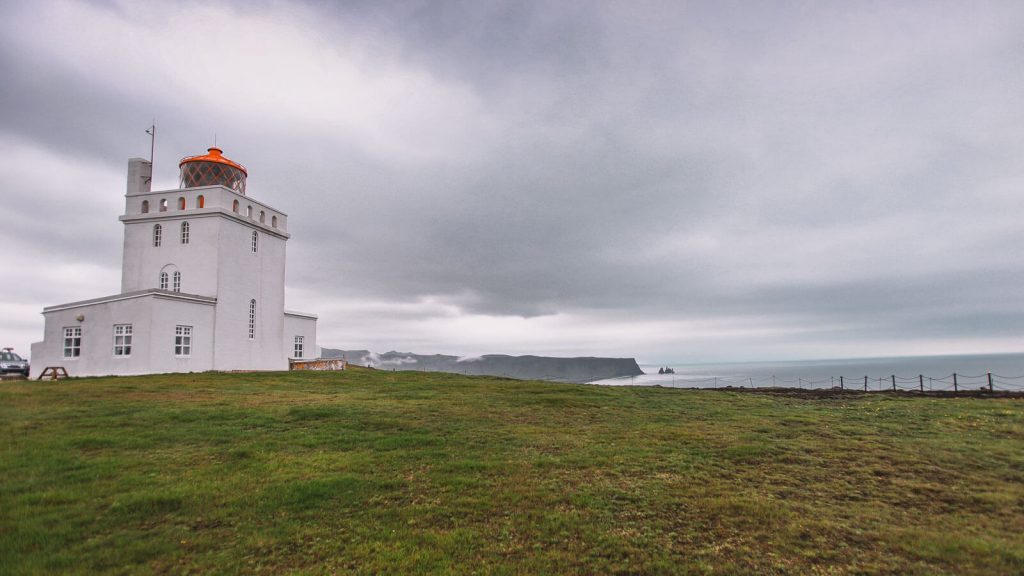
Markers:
{"x": 953, "y": 382}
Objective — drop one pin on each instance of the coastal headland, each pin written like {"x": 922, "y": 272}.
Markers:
{"x": 552, "y": 369}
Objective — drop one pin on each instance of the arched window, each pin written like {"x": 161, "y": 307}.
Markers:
{"x": 177, "y": 281}
{"x": 201, "y": 201}
{"x": 184, "y": 232}
{"x": 248, "y": 212}
{"x": 252, "y": 319}
{"x": 145, "y": 206}
{"x": 255, "y": 241}
{"x": 273, "y": 221}
{"x": 234, "y": 206}
{"x": 163, "y": 204}
{"x": 163, "y": 280}
{"x": 181, "y": 203}
{"x": 157, "y": 234}
{"x": 263, "y": 217}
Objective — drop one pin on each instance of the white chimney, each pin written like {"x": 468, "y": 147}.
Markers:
{"x": 140, "y": 176}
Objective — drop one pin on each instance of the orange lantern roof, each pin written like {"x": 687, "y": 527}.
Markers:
{"x": 212, "y": 169}
{"x": 214, "y": 155}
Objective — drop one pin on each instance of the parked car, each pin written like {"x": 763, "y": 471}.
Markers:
{"x": 11, "y": 362}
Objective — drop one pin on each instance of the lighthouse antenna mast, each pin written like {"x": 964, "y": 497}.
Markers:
{"x": 152, "y": 145}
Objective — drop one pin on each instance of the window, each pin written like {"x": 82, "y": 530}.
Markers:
{"x": 157, "y": 234}
{"x": 248, "y": 212}
{"x": 255, "y": 241}
{"x": 122, "y": 339}
{"x": 298, "y": 347}
{"x": 200, "y": 202}
{"x": 184, "y": 232}
{"x": 145, "y": 206}
{"x": 234, "y": 206}
{"x": 182, "y": 340}
{"x": 73, "y": 342}
{"x": 263, "y": 217}
{"x": 252, "y": 319}
{"x": 273, "y": 221}
{"x": 176, "y": 286}
{"x": 163, "y": 205}
{"x": 181, "y": 203}
{"x": 163, "y": 280}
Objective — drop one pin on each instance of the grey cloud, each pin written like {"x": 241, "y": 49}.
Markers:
{"x": 847, "y": 166}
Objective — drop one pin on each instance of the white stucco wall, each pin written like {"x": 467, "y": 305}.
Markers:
{"x": 197, "y": 260}
{"x": 243, "y": 275}
{"x": 153, "y": 318}
{"x": 298, "y": 324}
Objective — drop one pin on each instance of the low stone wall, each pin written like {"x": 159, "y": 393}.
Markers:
{"x": 317, "y": 364}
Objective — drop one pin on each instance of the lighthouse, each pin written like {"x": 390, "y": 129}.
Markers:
{"x": 202, "y": 284}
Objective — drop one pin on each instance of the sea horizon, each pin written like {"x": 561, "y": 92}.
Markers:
{"x": 937, "y": 372}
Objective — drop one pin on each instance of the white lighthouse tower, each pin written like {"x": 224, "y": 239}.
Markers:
{"x": 202, "y": 284}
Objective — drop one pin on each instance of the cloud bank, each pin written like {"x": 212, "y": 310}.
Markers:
{"x": 708, "y": 181}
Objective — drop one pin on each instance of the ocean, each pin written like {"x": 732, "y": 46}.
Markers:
{"x": 964, "y": 372}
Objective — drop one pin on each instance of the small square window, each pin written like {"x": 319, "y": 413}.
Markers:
{"x": 72, "y": 342}
{"x": 182, "y": 341}
{"x": 122, "y": 340}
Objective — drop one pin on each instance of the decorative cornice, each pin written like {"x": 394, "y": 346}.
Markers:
{"x": 154, "y": 292}
{"x": 203, "y": 213}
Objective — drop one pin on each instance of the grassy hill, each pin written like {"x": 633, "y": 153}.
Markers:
{"x": 404, "y": 473}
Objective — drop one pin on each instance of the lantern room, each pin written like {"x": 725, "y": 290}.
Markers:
{"x": 212, "y": 169}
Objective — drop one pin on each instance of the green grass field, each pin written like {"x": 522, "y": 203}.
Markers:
{"x": 406, "y": 473}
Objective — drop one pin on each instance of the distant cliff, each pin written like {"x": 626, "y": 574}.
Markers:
{"x": 586, "y": 369}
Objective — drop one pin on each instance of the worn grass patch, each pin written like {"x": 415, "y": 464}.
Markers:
{"x": 375, "y": 472}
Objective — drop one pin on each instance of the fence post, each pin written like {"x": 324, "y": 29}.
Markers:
{"x": 954, "y": 381}
{"x": 841, "y": 386}
{"x": 865, "y": 383}
{"x": 893, "y": 382}
{"x": 989, "y": 381}
{"x": 920, "y": 381}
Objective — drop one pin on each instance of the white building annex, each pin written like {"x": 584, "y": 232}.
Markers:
{"x": 202, "y": 285}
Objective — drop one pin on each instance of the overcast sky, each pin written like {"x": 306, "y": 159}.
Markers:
{"x": 675, "y": 182}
